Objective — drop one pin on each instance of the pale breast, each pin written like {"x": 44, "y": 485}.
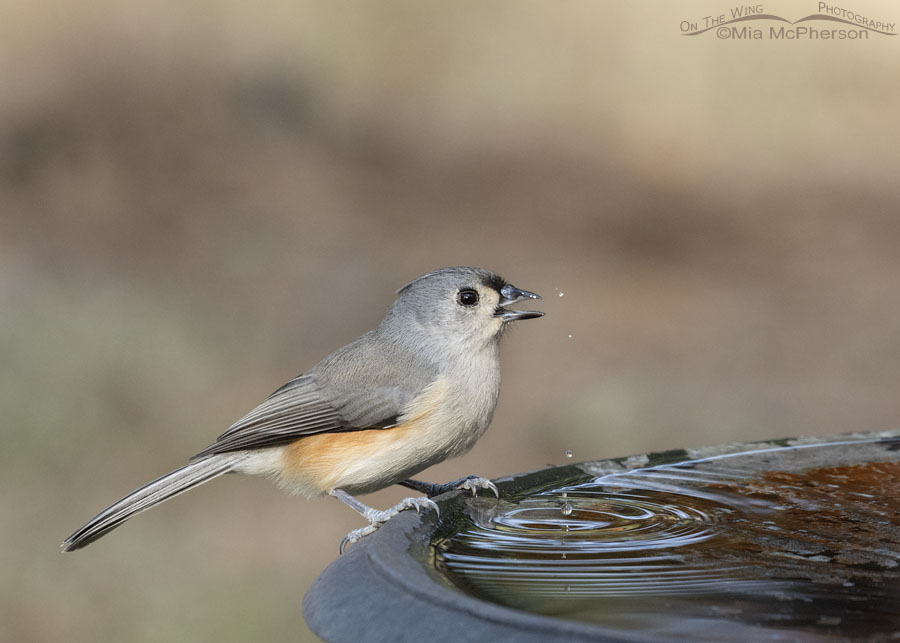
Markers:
{"x": 444, "y": 421}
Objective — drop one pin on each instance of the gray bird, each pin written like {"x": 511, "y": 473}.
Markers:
{"x": 416, "y": 390}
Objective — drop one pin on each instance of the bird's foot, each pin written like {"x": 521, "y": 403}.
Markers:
{"x": 378, "y": 517}
{"x": 470, "y": 483}
{"x": 474, "y": 483}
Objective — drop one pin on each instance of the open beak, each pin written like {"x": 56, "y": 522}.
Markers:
{"x": 509, "y": 295}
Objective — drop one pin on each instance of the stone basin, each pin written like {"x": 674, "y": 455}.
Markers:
{"x": 794, "y": 540}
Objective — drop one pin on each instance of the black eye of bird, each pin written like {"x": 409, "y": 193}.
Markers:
{"x": 467, "y": 297}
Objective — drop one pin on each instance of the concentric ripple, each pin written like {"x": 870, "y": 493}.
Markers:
{"x": 586, "y": 541}
{"x": 704, "y": 547}
{"x": 601, "y": 522}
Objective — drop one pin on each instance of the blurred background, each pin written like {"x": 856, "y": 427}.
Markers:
{"x": 200, "y": 200}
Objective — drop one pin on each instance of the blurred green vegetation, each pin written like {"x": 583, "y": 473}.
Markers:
{"x": 200, "y": 200}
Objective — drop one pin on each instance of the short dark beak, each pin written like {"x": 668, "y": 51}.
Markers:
{"x": 509, "y": 294}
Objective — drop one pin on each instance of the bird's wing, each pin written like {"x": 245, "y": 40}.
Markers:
{"x": 367, "y": 384}
{"x": 296, "y": 409}
{"x": 300, "y": 408}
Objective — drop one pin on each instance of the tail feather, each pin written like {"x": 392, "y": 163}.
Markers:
{"x": 153, "y": 493}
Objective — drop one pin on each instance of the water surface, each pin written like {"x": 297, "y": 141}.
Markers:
{"x": 793, "y": 543}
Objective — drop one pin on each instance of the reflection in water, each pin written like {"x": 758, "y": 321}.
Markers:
{"x": 714, "y": 549}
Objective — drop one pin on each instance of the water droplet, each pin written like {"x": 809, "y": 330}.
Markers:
{"x": 570, "y": 337}
{"x": 561, "y": 293}
{"x": 569, "y": 453}
{"x": 568, "y": 588}
{"x": 566, "y": 508}
{"x": 564, "y": 556}
{"x": 565, "y": 494}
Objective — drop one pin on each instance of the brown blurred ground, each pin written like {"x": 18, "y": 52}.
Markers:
{"x": 199, "y": 201}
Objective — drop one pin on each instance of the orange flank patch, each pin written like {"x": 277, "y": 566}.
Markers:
{"x": 367, "y": 460}
{"x": 326, "y": 461}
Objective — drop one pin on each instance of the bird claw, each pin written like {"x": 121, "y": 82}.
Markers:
{"x": 377, "y": 518}
{"x": 356, "y": 535}
{"x": 474, "y": 483}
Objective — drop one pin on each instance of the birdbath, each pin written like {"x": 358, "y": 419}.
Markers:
{"x": 795, "y": 540}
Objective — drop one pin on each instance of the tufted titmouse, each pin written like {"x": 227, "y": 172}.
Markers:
{"x": 416, "y": 390}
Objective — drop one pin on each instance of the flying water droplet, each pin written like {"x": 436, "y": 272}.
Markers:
{"x": 566, "y": 508}
{"x": 569, "y": 453}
